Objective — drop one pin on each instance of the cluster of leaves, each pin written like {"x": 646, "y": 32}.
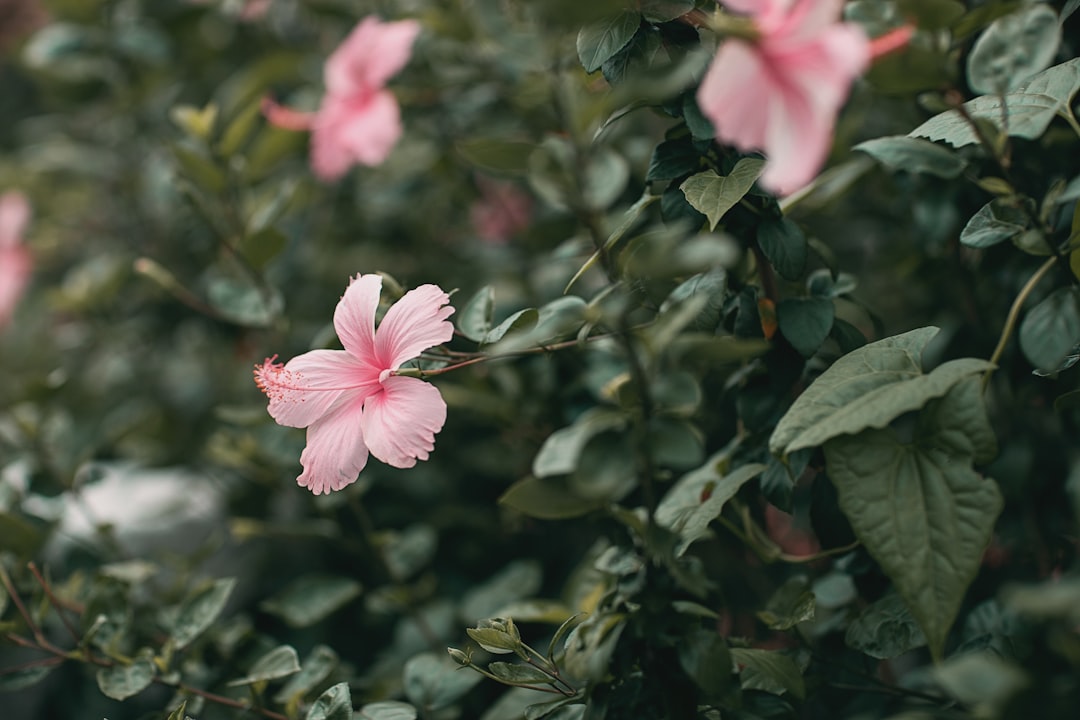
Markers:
{"x": 722, "y": 455}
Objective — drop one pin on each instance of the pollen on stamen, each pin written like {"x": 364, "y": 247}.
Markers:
{"x": 266, "y": 377}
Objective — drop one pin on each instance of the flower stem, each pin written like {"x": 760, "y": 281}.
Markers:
{"x": 1014, "y": 314}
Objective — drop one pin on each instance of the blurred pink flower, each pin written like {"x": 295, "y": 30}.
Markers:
{"x": 780, "y": 91}
{"x": 359, "y": 120}
{"x": 351, "y": 401}
{"x": 501, "y": 211}
{"x": 15, "y": 260}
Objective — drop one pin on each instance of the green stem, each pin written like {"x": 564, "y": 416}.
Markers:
{"x": 1014, "y": 314}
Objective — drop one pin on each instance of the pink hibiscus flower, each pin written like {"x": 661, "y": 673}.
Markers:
{"x": 351, "y": 401}
{"x": 780, "y": 92}
{"x": 359, "y": 120}
{"x": 15, "y": 260}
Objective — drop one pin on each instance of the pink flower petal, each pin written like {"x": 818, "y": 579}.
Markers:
{"x": 400, "y": 423}
{"x": 308, "y": 386}
{"x": 335, "y": 452}
{"x": 354, "y": 317}
{"x": 413, "y": 324}
{"x": 781, "y": 93}
{"x": 16, "y": 265}
{"x": 353, "y": 130}
{"x": 14, "y": 215}
{"x": 372, "y": 53}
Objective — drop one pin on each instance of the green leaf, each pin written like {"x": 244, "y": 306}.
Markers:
{"x": 474, "y": 320}
{"x": 262, "y": 246}
{"x": 673, "y": 159}
{"x": 768, "y": 670}
{"x": 386, "y": 710}
{"x": 520, "y": 322}
{"x": 334, "y": 704}
{"x": 496, "y": 642}
{"x": 201, "y": 610}
{"x": 705, "y": 657}
{"x": 510, "y": 157}
{"x": 1013, "y": 48}
{"x": 316, "y": 667}
{"x": 919, "y": 507}
{"x": 790, "y": 605}
{"x": 885, "y": 629}
{"x": 546, "y": 499}
{"x": 899, "y": 152}
{"x": 310, "y": 598}
{"x": 868, "y": 388}
{"x": 598, "y": 42}
{"x": 698, "y": 497}
{"x": 517, "y": 673}
{"x": 242, "y": 303}
{"x": 784, "y": 244}
{"x": 606, "y": 175}
{"x": 1028, "y": 110}
{"x": 714, "y": 194}
{"x": 123, "y": 681}
{"x": 605, "y": 470}
{"x": 562, "y": 632}
{"x": 982, "y": 681}
{"x": 661, "y": 11}
{"x": 280, "y": 662}
{"x": 931, "y": 14}
{"x": 519, "y": 579}
{"x": 410, "y": 550}
{"x": 27, "y": 677}
{"x": 434, "y": 682}
{"x": 806, "y": 322}
{"x": 995, "y": 222}
{"x": 1051, "y": 329}
{"x": 560, "y": 452}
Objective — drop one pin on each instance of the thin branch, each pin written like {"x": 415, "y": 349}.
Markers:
{"x": 1014, "y": 314}
{"x": 53, "y": 600}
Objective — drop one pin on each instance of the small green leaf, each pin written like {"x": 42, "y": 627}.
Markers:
{"x": 714, "y": 194}
{"x": 433, "y": 682}
{"x": 474, "y": 320}
{"x": 698, "y": 497}
{"x": 316, "y": 667}
{"x": 661, "y": 11}
{"x": 1051, "y": 329}
{"x": 995, "y": 222}
{"x": 201, "y": 610}
{"x": 123, "y": 681}
{"x": 334, "y": 704}
{"x": 784, "y": 244}
{"x": 606, "y": 175}
{"x": 673, "y": 159}
{"x": 705, "y": 657}
{"x": 885, "y": 629}
{"x": 262, "y": 246}
{"x": 546, "y": 499}
{"x": 386, "y": 710}
{"x": 806, "y": 322}
{"x": 1027, "y": 111}
{"x": 768, "y": 670}
{"x": 509, "y": 157}
{"x": 981, "y": 680}
{"x": 494, "y": 641}
{"x": 560, "y": 452}
{"x": 310, "y": 598}
{"x": 598, "y": 42}
{"x": 563, "y": 631}
{"x": 516, "y": 673}
{"x": 899, "y": 152}
{"x": 1013, "y": 48}
{"x": 27, "y": 677}
{"x": 790, "y": 605}
{"x": 280, "y": 662}
{"x": 919, "y": 507}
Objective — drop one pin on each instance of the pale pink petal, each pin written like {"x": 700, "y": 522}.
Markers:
{"x": 308, "y": 386}
{"x": 347, "y": 131}
{"x": 284, "y": 117}
{"x": 805, "y": 19}
{"x": 354, "y": 317}
{"x": 413, "y": 324}
{"x": 14, "y": 215}
{"x": 335, "y": 452}
{"x": 372, "y": 53}
{"x": 16, "y": 265}
{"x": 734, "y": 95}
{"x": 400, "y": 423}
